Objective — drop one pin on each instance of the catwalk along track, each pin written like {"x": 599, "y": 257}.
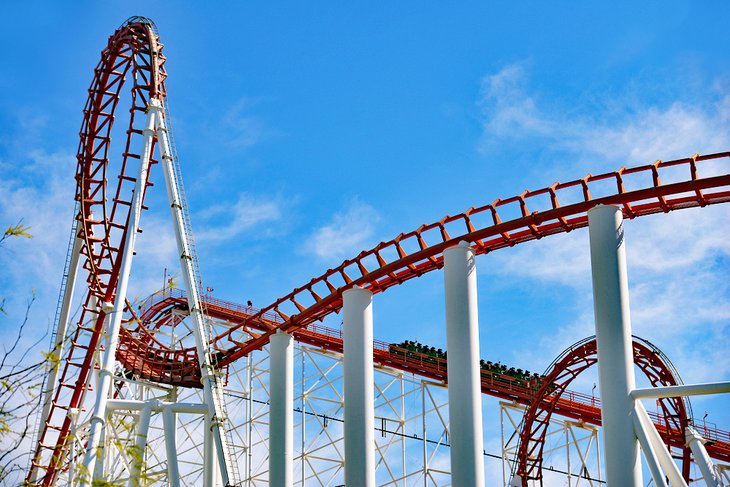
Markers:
{"x": 548, "y": 392}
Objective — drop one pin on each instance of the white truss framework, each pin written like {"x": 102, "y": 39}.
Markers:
{"x": 410, "y": 424}
{"x": 411, "y": 429}
{"x": 571, "y": 449}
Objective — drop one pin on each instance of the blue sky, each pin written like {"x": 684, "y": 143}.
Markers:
{"x": 308, "y": 132}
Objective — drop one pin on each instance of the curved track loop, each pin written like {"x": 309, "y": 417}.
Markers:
{"x": 561, "y": 207}
{"x": 674, "y": 417}
{"x": 133, "y": 55}
{"x": 142, "y": 355}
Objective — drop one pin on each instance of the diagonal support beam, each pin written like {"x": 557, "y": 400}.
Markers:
{"x": 702, "y": 459}
{"x": 115, "y": 310}
{"x": 211, "y": 382}
{"x": 655, "y": 451}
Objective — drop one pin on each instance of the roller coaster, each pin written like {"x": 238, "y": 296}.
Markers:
{"x": 142, "y": 359}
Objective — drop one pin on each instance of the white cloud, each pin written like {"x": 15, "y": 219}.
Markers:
{"x": 678, "y": 286}
{"x": 241, "y": 129}
{"x": 660, "y": 244}
{"x": 507, "y": 109}
{"x": 678, "y": 130}
{"x": 41, "y": 193}
{"x": 39, "y": 190}
{"x": 623, "y": 135}
{"x": 563, "y": 258}
{"x": 677, "y": 262}
{"x": 349, "y": 232}
{"x": 686, "y": 239}
{"x": 225, "y": 221}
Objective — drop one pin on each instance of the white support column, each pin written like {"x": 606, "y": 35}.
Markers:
{"x": 209, "y": 463}
{"x": 702, "y": 459}
{"x": 615, "y": 352}
{"x": 211, "y": 384}
{"x": 97, "y": 426}
{"x": 424, "y": 434}
{"x": 102, "y": 461}
{"x": 358, "y": 386}
{"x": 281, "y": 410}
{"x": 462, "y": 342}
{"x": 61, "y": 327}
{"x": 74, "y": 415}
{"x": 140, "y": 446}
{"x": 168, "y": 422}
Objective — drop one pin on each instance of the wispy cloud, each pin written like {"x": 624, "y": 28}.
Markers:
{"x": 678, "y": 281}
{"x": 562, "y": 259}
{"x": 240, "y": 128}
{"x": 631, "y": 134}
{"x": 508, "y": 110}
{"x": 41, "y": 192}
{"x": 225, "y": 221}
{"x": 677, "y": 262}
{"x": 349, "y": 232}
{"x": 39, "y": 189}
{"x": 661, "y": 245}
{"x": 686, "y": 239}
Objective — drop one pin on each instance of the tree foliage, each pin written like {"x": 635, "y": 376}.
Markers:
{"x": 21, "y": 380}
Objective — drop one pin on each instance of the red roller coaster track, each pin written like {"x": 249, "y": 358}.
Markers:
{"x": 134, "y": 51}
{"x": 104, "y": 201}
{"x": 542, "y": 213}
{"x": 542, "y": 402}
{"x": 650, "y": 360}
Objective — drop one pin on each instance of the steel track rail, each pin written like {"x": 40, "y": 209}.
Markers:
{"x": 542, "y": 402}
{"x": 671, "y": 422}
{"x": 413, "y": 254}
{"x": 133, "y": 51}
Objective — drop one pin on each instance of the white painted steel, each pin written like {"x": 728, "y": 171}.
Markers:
{"x": 613, "y": 338}
{"x": 211, "y": 387}
{"x": 96, "y": 429}
{"x": 74, "y": 415}
{"x": 169, "y": 424}
{"x": 645, "y": 427}
{"x": 58, "y": 346}
{"x": 209, "y": 464}
{"x": 682, "y": 390}
{"x": 157, "y": 406}
{"x": 649, "y": 453}
{"x": 138, "y": 457}
{"x": 102, "y": 462}
{"x": 358, "y": 387}
{"x": 462, "y": 341}
{"x": 281, "y": 410}
{"x": 424, "y": 435}
{"x": 702, "y": 459}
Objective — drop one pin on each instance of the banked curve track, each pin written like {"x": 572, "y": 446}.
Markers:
{"x": 562, "y": 207}
{"x": 415, "y": 253}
